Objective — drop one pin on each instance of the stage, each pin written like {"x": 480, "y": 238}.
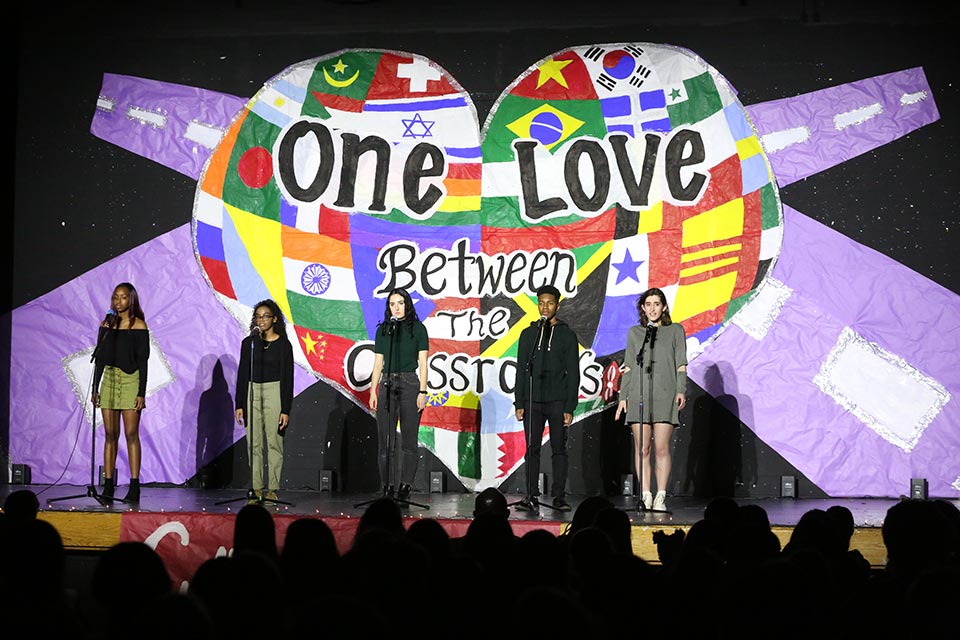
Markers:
{"x": 188, "y": 526}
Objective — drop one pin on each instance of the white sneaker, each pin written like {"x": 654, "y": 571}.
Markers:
{"x": 647, "y": 498}
{"x": 660, "y": 502}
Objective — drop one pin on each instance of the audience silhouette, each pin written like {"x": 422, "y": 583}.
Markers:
{"x": 585, "y": 581}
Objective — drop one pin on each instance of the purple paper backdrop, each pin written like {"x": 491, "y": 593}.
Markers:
{"x": 901, "y": 102}
{"x": 772, "y": 379}
{"x": 191, "y": 328}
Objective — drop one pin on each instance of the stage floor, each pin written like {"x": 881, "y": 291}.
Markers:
{"x": 85, "y": 524}
{"x": 684, "y": 511}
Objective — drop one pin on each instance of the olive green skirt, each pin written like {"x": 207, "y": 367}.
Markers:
{"x": 118, "y": 390}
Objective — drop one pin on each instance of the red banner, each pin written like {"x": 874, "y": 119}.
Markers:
{"x": 187, "y": 540}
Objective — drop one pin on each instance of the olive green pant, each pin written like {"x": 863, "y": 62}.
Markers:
{"x": 262, "y": 426}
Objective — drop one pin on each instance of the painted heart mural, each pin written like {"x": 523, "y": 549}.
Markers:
{"x": 604, "y": 170}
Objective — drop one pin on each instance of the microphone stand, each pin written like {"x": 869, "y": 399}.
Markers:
{"x": 92, "y": 487}
{"x": 248, "y": 418}
{"x": 528, "y": 412}
{"x": 389, "y": 390}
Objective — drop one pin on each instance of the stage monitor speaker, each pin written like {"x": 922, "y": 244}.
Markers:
{"x": 20, "y": 474}
{"x": 328, "y": 480}
{"x": 918, "y": 488}
{"x": 626, "y": 484}
{"x": 436, "y": 482}
{"x": 788, "y": 487}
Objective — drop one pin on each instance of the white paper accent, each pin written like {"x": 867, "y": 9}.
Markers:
{"x": 779, "y": 140}
{"x": 757, "y": 316}
{"x": 913, "y": 98}
{"x": 857, "y": 116}
{"x": 79, "y": 371}
{"x": 106, "y": 104}
{"x": 156, "y": 120}
{"x": 203, "y": 134}
{"x": 881, "y": 389}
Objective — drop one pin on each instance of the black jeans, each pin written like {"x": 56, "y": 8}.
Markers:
{"x": 397, "y": 399}
{"x": 535, "y": 416}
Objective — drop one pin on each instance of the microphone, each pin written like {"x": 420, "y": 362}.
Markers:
{"x": 101, "y": 334}
{"x": 648, "y": 336}
{"x": 392, "y": 325}
{"x": 255, "y": 331}
{"x": 542, "y": 320}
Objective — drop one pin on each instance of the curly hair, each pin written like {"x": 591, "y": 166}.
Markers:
{"x": 281, "y": 324}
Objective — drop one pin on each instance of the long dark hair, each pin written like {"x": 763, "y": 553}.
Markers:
{"x": 280, "y": 326}
{"x": 410, "y": 316}
{"x": 136, "y": 311}
{"x": 664, "y": 317}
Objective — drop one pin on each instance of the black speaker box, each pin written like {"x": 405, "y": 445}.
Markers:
{"x": 20, "y": 474}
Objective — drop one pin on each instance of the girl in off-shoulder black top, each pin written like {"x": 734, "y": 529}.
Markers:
{"x": 120, "y": 384}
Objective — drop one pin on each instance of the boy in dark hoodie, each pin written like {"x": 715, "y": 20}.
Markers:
{"x": 546, "y": 392}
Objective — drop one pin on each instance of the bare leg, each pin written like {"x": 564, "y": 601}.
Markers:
{"x": 662, "y": 434}
{"x": 131, "y": 429}
{"x": 637, "y": 444}
{"x": 644, "y": 453}
{"x": 111, "y": 428}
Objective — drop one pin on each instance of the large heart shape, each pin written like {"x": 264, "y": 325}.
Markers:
{"x": 604, "y": 169}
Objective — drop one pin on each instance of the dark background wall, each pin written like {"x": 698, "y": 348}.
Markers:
{"x": 79, "y": 201}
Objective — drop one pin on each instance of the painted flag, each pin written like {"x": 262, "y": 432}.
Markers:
{"x": 561, "y": 77}
{"x": 341, "y": 82}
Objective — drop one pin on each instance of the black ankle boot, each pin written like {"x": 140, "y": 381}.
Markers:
{"x": 108, "y": 488}
{"x": 403, "y": 493}
{"x": 133, "y": 493}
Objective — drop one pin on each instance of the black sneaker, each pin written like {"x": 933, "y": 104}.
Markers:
{"x": 560, "y": 504}
{"x": 529, "y": 503}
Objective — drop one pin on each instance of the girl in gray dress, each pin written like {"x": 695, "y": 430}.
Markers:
{"x": 653, "y": 391}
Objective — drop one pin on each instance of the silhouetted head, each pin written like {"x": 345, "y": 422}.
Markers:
{"x": 753, "y": 514}
{"x": 309, "y": 541}
{"x": 917, "y": 536}
{"x": 127, "y": 577}
{"x": 587, "y": 511}
{"x": 491, "y": 501}
{"x": 813, "y": 532}
{"x": 430, "y": 535}
{"x": 616, "y": 524}
{"x": 21, "y": 505}
{"x": 723, "y": 510}
{"x": 254, "y": 531}
{"x": 383, "y": 514}
{"x": 842, "y": 527}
